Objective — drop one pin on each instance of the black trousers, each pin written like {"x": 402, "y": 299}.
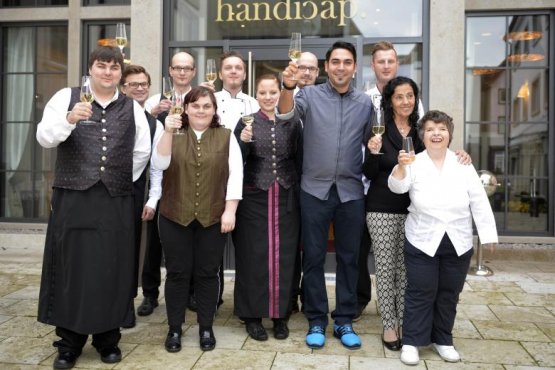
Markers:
{"x": 364, "y": 286}
{"x": 348, "y": 218}
{"x": 73, "y": 342}
{"x": 197, "y": 251}
{"x": 432, "y": 294}
{"x": 151, "y": 277}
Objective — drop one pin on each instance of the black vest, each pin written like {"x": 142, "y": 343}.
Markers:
{"x": 99, "y": 152}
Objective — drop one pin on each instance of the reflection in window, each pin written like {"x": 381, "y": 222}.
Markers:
{"x": 106, "y": 2}
{"x": 98, "y": 33}
{"x": 31, "y": 3}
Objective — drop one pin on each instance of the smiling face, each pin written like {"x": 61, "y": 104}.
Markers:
{"x": 403, "y": 101}
{"x": 384, "y": 64}
{"x": 267, "y": 95}
{"x": 200, "y": 113}
{"x": 182, "y": 71}
{"x": 435, "y": 135}
{"x": 341, "y": 68}
{"x": 105, "y": 76}
{"x": 136, "y": 86}
{"x": 232, "y": 73}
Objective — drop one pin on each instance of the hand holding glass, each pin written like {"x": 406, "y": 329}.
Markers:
{"x": 408, "y": 147}
{"x": 177, "y": 108}
{"x": 211, "y": 70}
{"x": 121, "y": 36}
{"x": 378, "y": 125}
{"x": 248, "y": 117}
{"x": 86, "y": 95}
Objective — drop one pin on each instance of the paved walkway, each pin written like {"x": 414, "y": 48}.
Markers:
{"x": 506, "y": 321}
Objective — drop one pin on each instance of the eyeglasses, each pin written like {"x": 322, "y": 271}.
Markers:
{"x": 309, "y": 69}
{"x": 182, "y": 69}
{"x": 135, "y": 85}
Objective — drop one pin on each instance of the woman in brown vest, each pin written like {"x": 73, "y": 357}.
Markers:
{"x": 201, "y": 189}
{"x": 267, "y": 234}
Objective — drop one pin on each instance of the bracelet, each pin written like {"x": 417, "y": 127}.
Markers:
{"x": 287, "y": 87}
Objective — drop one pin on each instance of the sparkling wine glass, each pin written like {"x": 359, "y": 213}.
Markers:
{"x": 408, "y": 147}
{"x": 378, "y": 124}
{"x": 86, "y": 96}
{"x": 167, "y": 88}
{"x": 248, "y": 117}
{"x": 121, "y": 36}
{"x": 211, "y": 74}
{"x": 177, "y": 108}
{"x": 295, "y": 49}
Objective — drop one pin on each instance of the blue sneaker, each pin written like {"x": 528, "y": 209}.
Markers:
{"x": 347, "y": 336}
{"x": 316, "y": 337}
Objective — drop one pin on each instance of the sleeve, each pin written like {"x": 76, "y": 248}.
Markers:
{"x": 298, "y": 111}
{"x": 158, "y": 161}
{"x": 420, "y": 109}
{"x": 399, "y": 186}
{"x": 235, "y": 179}
{"x": 54, "y": 128}
{"x": 480, "y": 207}
{"x": 152, "y": 102}
{"x": 155, "y": 187}
{"x": 142, "y": 149}
{"x": 371, "y": 164}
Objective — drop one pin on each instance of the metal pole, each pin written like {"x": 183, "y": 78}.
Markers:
{"x": 479, "y": 269}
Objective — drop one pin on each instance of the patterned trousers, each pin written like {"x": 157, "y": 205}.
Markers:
{"x": 387, "y": 232}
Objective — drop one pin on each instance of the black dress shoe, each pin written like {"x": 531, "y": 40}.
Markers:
{"x": 65, "y": 360}
{"x": 392, "y": 346}
{"x": 256, "y": 331}
{"x": 110, "y": 355}
{"x": 192, "y": 305}
{"x": 281, "y": 331}
{"x": 147, "y": 306}
{"x": 207, "y": 340}
{"x": 173, "y": 342}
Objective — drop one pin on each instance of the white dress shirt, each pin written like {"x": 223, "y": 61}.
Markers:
{"x": 156, "y": 176}
{"x": 54, "y": 128}
{"x": 444, "y": 201}
{"x": 230, "y": 109}
{"x": 235, "y": 163}
{"x": 376, "y": 97}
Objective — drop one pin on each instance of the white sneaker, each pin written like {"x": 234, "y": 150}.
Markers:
{"x": 409, "y": 355}
{"x": 447, "y": 353}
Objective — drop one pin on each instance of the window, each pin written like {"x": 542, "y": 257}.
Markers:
{"x": 34, "y": 67}
{"x": 32, "y": 3}
{"x": 98, "y": 33}
{"x": 507, "y": 127}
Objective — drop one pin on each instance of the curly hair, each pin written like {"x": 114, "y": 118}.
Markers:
{"x": 388, "y": 92}
{"x": 195, "y": 94}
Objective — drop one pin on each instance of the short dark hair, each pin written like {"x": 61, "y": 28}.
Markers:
{"x": 134, "y": 69}
{"x": 229, "y": 54}
{"x": 388, "y": 92}
{"x": 436, "y": 116}
{"x": 195, "y": 94}
{"x": 382, "y": 46}
{"x": 106, "y": 54}
{"x": 267, "y": 76}
{"x": 342, "y": 45}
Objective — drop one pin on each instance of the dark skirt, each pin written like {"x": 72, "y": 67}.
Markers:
{"x": 266, "y": 239}
{"x": 87, "y": 274}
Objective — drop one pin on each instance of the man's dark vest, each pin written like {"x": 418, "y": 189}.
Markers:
{"x": 99, "y": 152}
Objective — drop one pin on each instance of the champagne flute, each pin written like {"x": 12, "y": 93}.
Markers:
{"x": 177, "y": 108}
{"x": 121, "y": 36}
{"x": 211, "y": 70}
{"x": 167, "y": 88}
{"x": 248, "y": 117}
{"x": 295, "y": 49}
{"x": 408, "y": 147}
{"x": 86, "y": 95}
{"x": 378, "y": 124}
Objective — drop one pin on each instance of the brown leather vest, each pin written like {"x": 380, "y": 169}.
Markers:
{"x": 195, "y": 184}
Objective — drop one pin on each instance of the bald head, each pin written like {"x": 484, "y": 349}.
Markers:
{"x": 308, "y": 69}
{"x": 182, "y": 70}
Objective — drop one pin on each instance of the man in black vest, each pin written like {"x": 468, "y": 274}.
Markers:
{"x": 86, "y": 285}
{"x": 136, "y": 84}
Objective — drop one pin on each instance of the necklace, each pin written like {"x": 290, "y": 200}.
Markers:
{"x": 403, "y": 129}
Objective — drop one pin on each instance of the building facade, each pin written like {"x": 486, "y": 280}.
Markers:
{"x": 488, "y": 64}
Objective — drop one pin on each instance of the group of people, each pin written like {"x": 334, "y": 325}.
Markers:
{"x": 268, "y": 174}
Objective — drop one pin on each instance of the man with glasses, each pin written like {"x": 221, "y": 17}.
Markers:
{"x": 102, "y": 147}
{"x": 182, "y": 70}
{"x": 136, "y": 84}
